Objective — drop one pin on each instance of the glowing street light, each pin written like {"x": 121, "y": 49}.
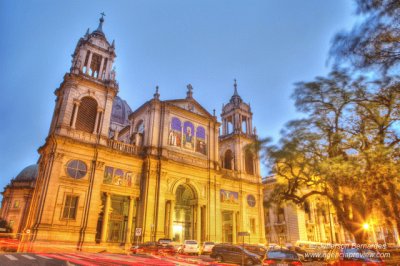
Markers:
{"x": 366, "y": 226}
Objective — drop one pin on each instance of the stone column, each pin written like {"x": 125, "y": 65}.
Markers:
{"x": 128, "y": 242}
{"x": 106, "y": 217}
{"x": 101, "y": 68}
{"x": 75, "y": 114}
{"x": 88, "y": 62}
{"x": 96, "y": 121}
{"x": 171, "y": 218}
{"x": 198, "y": 223}
{"x": 240, "y": 123}
{"x": 234, "y": 233}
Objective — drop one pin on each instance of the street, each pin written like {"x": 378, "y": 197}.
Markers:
{"x": 105, "y": 259}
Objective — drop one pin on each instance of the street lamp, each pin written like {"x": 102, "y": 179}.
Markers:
{"x": 366, "y": 226}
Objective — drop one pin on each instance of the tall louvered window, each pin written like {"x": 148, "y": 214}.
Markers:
{"x": 249, "y": 163}
{"x": 228, "y": 160}
{"x": 86, "y": 118}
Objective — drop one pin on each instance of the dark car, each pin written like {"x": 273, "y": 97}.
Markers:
{"x": 154, "y": 248}
{"x": 164, "y": 241}
{"x": 353, "y": 257}
{"x": 234, "y": 254}
{"x": 282, "y": 257}
{"x": 303, "y": 254}
{"x": 257, "y": 249}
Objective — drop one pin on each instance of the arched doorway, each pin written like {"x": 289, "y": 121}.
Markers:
{"x": 184, "y": 222}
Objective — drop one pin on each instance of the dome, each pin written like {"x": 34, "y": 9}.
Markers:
{"x": 120, "y": 111}
{"x": 28, "y": 173}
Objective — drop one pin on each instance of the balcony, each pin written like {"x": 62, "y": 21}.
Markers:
{"x": 123, "y": 147}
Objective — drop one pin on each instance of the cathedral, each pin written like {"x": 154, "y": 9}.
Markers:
{"x": 108, "y": 176}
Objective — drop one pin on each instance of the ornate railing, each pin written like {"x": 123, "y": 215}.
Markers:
{"x": 123, "y": 147}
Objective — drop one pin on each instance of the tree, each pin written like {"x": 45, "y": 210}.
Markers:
{"x": 346, "y": 149}
{"x": 375, "y": 42}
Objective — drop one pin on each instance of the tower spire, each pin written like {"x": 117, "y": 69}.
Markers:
{"x": 235, "y": 97}
{"x": 100, "y": 27}
{"x": 157, "y": 94}
{"x": 235, "y": 86}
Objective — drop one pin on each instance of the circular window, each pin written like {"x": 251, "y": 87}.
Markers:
{"x": 76, "y": 169}
{"x": 251, "y": 200}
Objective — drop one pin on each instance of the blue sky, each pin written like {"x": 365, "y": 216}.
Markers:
{"x": 266, "y": 45}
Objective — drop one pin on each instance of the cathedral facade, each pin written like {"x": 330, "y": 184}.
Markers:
{"x": 110, "y": 176}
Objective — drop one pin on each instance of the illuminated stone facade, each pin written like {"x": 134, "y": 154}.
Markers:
{"x": 17, "y": 196}
{"x": 315, "y": 221}
{"x": 164, "y": 169}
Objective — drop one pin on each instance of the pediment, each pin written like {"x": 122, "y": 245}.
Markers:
{"x": 190, "y": 105}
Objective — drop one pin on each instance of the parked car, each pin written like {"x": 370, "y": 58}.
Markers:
{"x": 164, "y": 241}
{"x": 153, "y": 248}
{"x": 311, "y": 251}
{"x": 282, "y": 257}
{"x": 190, "y": 247}
{"x": 207, "y": 247}
{"x": 275, "y": 246}
{"x": 234, "y": 254}
{"x": 301, "y": 253}
{"x": 354, "y": 257}
{"x": 257, "y": 249}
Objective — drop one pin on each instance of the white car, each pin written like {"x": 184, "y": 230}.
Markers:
{"x": 207, "y": 247}
{"x": 190, "y": 247}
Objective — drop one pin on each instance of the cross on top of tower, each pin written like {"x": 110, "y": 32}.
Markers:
{"x": 189, "y": 93}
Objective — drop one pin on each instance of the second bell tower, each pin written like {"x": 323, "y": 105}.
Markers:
{"x": 237, "y": 132}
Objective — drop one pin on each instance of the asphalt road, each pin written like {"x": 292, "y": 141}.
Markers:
{"x": 104, "y": 259}
{"x": 30, "y": 259}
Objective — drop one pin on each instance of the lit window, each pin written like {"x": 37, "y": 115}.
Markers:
{"x": 70, "y": 206}
{"x": 76, "y": 169}
{"x": 253, "y": 225}
{"x": 16, "y": 204}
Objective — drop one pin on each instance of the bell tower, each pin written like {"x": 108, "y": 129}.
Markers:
{"x": 85, "y": 97}
{"x": 236, "y": 133}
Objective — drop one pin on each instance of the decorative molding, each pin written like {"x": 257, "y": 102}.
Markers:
{"x": 99, "y": 164}
{"x": 58, "y": 156}
{"x": 187, "y": 159}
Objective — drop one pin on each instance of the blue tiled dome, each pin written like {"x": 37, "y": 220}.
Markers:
{"x": 28, "y": 173}
{"x": 120, "y": 111}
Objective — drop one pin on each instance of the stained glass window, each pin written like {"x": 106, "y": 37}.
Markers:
{"x": 76, "y": 169}
{"x": 176, "y": 124}
{"x": 251, "y": 200}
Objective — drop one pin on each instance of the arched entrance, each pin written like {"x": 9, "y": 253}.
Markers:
{"x": 184, "y": 218}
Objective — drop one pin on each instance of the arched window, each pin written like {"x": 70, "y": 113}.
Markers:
{"x": 249, "y": 163}
{"x": 201, "y": 140}
{"x": 87, "y": 112}
{"x": 244, "y": 125}
{"x": 229, "y": 127}
{"x": 228, "y": 159}
{"x": 175, "y": 133}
